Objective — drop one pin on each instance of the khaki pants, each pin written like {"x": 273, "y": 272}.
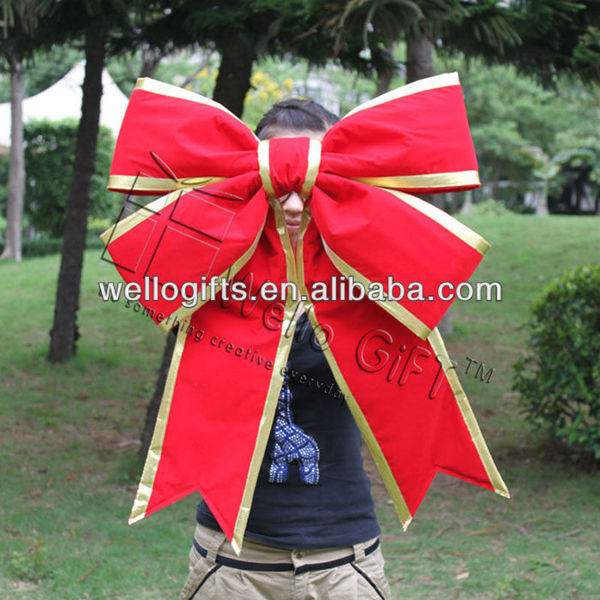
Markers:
{"x": 275, "y": 574}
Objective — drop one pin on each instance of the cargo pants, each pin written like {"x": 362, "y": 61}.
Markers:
{"x": 269, "y": 573}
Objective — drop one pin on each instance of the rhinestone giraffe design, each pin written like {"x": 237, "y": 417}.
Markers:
{"x": 292, "y": 443}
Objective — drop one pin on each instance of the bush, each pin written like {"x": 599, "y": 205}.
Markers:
{"x": 41, "y": 247}
{"x": 559, "y": 380}
{"x": 489, "y": 207}
{"x": 46, "y": 245}
{"x": 49, "y": 156}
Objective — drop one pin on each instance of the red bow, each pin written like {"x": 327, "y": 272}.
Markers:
{"x": 221, "y": 217}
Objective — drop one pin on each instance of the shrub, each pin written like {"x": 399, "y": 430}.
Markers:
{"x": 45, "y": 245}
{"x": 489, "y": 207}
{"x": 41, "y": 247}
{"x": 49, "y": 156}
{"x": 559, "y": 380}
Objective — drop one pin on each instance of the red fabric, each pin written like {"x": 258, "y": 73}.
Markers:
{"x": 288, "y": 161}
{"x": 219, "y": 396}
{"x": 198, "y": 235}
{"x": 399, "y": 386}
{"x": 201, "y": 140}
{"x": 361, "y": 223}
{"x": 418, "y": 134}
{"x": 219, "y": 393}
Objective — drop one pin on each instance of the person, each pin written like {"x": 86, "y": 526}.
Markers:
{"x": 312, "y": 532}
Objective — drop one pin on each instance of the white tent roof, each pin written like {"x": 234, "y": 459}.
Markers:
{"x": 63, "y": 99}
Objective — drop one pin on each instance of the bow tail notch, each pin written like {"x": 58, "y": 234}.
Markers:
{"x": 404, "y": 397}
{"x": 480, "y": 468}
{"x": 217, "y": 448}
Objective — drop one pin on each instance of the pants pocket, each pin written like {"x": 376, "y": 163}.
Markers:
{"x": 371, "y": 577}
{"x": 200, "y": 579}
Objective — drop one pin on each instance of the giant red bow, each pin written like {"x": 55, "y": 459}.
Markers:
{"x": 221, "y": 217}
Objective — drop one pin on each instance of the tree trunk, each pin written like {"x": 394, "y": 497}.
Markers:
{"x": 541, "y": 208}
{"x": 496, "y": 178}
{"x": 151, "y": 58}
{"x": 419, "y": 57}
{"x": 419, "y": 65}
{"x": 233, "y": 81}
{"x": 468, "y": 203}
{"x": 16, "y": 173}
{"x": 64, "y": 334}
{"x": 154, "y": 405}
{"x": 385, "y": 76}
{"x": 384, "y": 82}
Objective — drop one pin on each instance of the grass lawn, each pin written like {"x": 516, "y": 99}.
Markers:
{"x": 69, "y": 438}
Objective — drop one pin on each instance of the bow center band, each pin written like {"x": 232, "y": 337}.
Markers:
{"x": 289, "y": 165}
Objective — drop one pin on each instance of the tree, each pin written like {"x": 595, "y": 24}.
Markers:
{"x": 549, "y": 37}
{"x": 104, "y": 26}
{"x": 242, "y": 31}
{"x": 19, "y": 18}
{"x": 545, "y": 37}
{"x": 16, "y": 170}
{"x": 421, "y": 24}
{"x": 64, "y": 334}
{"x": 511, "y": 113}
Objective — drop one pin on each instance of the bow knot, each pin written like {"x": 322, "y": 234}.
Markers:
{"x": 289, "y": 164}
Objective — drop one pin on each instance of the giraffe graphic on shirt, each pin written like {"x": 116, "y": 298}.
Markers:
{"x": 292, "y": 443}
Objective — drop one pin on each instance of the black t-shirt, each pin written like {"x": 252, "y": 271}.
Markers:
{"x": 339, "y": 509}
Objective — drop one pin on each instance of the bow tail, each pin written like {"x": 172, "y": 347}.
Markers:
{"x": 174, "y": 252}
{"x": 408, "y": 253}
{"x": 401, "y": 390}
{"x": 220, "y": 399}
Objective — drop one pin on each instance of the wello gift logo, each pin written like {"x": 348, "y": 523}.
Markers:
{"x": 377, "y": 353}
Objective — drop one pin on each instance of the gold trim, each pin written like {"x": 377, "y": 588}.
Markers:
{"x": 121, "y": 227}
{"x": 183, "y": 312}
{"x": 284, "y": 237}
{"x": 266, "y": 422}
{"x": 165, "y": 89}
{"x": 437, "y": 343}
{"x": 135, "y": 183}
{"x": 264, "y": 167}
{"x": 372, "y": 443}
{"x": 423, "y": 85}
{"x": 397, "y": 311}
{"x": 444, "y": 219}
{"x": 144, "y": 491}
{"x": 429, "y": 181}
{"x": 314, "y": 162}
{"x": 283, "y": 350}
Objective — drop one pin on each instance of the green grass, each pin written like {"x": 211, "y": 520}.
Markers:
{"x": 68, "y": 443}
